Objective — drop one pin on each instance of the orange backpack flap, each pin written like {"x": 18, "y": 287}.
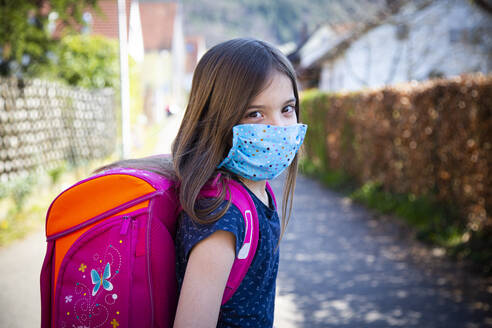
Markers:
{"x": 92, "y": 197}
{"x": 86, "y": 200}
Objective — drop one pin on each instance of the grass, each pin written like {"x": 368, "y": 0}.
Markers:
{"x": 435, "y": 223}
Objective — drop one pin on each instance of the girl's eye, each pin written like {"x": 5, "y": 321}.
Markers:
{"x": 254, "y": 114}
{"x": 288, "y": 109}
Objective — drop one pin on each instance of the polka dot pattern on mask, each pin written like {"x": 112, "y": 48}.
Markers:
{"x": 262, "y": 152}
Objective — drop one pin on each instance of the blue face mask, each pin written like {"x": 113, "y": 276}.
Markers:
{"x": 262, "y": 152}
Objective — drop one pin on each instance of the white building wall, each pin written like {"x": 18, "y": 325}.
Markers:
{"x": 447, "y": 37}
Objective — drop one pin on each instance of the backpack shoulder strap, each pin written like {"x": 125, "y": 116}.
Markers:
{"x": 241, "y": 198}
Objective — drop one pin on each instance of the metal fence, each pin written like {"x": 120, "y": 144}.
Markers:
{"x": 43, "y": 124}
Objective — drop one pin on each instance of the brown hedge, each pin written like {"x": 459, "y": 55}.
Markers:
{"x": 432, "y": 137}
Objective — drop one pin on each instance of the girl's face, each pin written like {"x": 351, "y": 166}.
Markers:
{"x": 274, "y": 105}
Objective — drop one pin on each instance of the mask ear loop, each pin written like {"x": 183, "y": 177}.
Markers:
{"x": 216, "y": 179}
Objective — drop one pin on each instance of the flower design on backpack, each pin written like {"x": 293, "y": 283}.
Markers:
{"x": 102, "y": 279}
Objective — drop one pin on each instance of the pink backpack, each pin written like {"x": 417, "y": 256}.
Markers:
{"x": 110, "y": 259}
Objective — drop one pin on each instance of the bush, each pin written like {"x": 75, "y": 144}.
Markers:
{"x": 421, "y": 150}
{"x": 88, "y": 61}
{"x": 26, "y": 46}
{"x": 19, "y": 189}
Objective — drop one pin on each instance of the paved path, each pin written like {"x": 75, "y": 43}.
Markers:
{"x": 20, "y": 266}
{"x": 341, "y": 266}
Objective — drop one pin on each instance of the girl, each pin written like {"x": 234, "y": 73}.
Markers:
{"x": 245, "y": 86}
{"x": 243, "y": 90}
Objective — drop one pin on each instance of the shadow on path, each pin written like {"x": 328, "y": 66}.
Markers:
{"x": 343, "y": 266}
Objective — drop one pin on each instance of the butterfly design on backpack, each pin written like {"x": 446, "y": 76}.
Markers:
{"x": 102, "y": 279}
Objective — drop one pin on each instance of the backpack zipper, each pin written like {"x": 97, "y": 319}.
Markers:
{"x": 133, "y": 244}
{"x": 104, "y": 215}
{"x": 125, "y": 225}
{"x": 130, "y": 225}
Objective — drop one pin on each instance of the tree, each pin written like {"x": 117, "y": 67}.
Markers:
{"x": 26, "y": 44}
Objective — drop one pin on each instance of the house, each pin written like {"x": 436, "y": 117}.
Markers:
{"x": 425, "y": 39}
{"x": 107, "y": 23}
{"x": 195, "y": 48}
{"x": 162, "y": 67}
{"x": 170, "y": 57}
{"x": 103, "y": 22}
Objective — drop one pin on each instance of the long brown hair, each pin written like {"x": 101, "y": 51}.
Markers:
{"x": 225, "y": 81}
